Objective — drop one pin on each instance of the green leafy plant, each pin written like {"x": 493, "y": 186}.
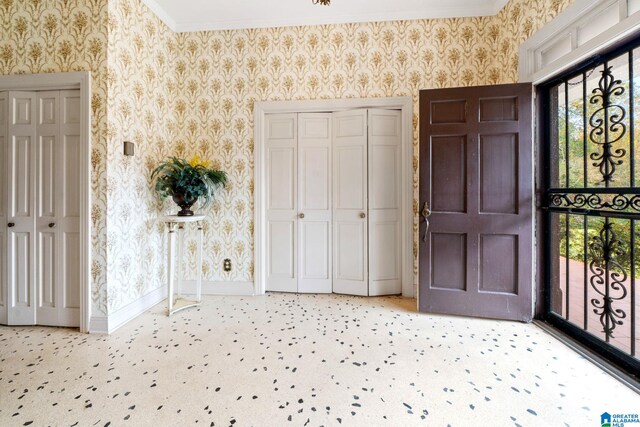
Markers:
{"x": 187, "y": 180}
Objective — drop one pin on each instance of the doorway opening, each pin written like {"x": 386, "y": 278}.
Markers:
{"x": 29, "y": 299}
{"x": 262, "y": 112}
{"x": 591, "y": 150}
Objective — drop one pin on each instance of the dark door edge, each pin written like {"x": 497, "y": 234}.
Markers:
{"x": 591, "y": 356}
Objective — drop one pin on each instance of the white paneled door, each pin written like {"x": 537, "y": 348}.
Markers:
{"x": 314, "y": 203}
{"x": 21, "y": 160}
{"x": 333, "y": 200}
{"x": 4, "y": 109}
{"x": 43, "y": 208}
{"x": 385, "y": 199}
{"x": 350, "y": 235}
{"x": 281, "y": 202}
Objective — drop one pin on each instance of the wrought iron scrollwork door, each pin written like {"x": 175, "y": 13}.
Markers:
{"x": 592, "y": 204}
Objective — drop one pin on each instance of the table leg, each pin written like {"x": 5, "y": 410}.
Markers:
{"x": 180, "y": 260}
{"x": 170, "y": 264}
{"x": 199, "y": 263}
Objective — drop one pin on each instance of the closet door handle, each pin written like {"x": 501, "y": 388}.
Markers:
{"x": 363, "y": 215}
{"x": 52, "y": 224}
{"x": 301, "y": 215}
{"x": 11, "y": 224}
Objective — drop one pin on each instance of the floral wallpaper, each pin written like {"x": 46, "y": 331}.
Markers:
{"x": 139, "y": 109}
{"x": 193, "y": 93}
{"x": 221, "y": 74}
{"x": 43, "y": 36}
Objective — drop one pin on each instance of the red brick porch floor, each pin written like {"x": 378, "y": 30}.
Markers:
{"x": 622, "y": 333}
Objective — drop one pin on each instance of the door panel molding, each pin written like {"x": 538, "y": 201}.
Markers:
{"x": 405, "y": 105}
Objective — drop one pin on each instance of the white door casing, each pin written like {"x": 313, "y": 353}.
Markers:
{"x": 281, "y": 204}
{"x": 350, "y": 229}
{"x": 44, "y": 208}
{"x": 314, "y": 203}
{"x": 265, "y": 109}
{"x": 63, "y": 81}
{"x": 385, "y": 209}
{"x": 21, "y": 308}
{"x": 3, "y": 205}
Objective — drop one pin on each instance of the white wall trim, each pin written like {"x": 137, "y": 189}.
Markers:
{"x": 60, "y": 81}
{"x": 205, "y": 20}
{"x": 405, "y": 104}
{"x": 136, "y": 308}
{"x": 111, "y": 323}
{"x": 565, "y": 27}
{"x": 220, "y": 288}
{"x": 99, "y": 325}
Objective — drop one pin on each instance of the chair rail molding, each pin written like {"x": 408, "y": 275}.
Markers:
{"x": 582, "y": 30}
{"x": 261, "y": 108}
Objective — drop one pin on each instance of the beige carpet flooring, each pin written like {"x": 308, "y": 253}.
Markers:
{"x": 302, "y": 360}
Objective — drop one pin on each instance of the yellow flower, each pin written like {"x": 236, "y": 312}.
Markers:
{"x": 195, "y": 161}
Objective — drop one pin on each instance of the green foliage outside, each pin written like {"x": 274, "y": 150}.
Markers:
{"x": 570, "y": 150}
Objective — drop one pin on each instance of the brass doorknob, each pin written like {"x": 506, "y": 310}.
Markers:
{"x": 363, "y": 215}
{"x": 300, "y": 215}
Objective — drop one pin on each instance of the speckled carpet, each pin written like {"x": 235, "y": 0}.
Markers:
{"x": 302, "y": 360}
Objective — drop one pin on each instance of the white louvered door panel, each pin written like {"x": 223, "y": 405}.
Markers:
{"x": 21, "y": 295}
{"x": 314, "y": 203}
{"x": 385, "y": 138}
{"x": 350, "y": 235}
{"x": 3, "y": 205}
{"x": 281, "y": 212}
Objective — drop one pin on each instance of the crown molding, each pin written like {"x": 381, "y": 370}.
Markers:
{"x": 161, "y": 13}
{"x": 489, "y": 8}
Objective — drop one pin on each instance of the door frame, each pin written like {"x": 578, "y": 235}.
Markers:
{"x": 63, "y": 81}
{"x": 261, "y": 108}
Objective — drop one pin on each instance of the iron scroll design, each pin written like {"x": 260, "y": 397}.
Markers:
{"x": 613, "y": 202}
{"x": 608, "y": 278}
{"x": 607, "y": 124}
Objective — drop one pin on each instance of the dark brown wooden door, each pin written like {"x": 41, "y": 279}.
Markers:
{"x": 476, "y": 181}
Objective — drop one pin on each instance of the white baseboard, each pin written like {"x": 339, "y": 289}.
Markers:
{"x": 110, "y": 323}
{"x": 219, "y": 288}
{"x": 99, "y": 325}
{"x": 136, "y": 308}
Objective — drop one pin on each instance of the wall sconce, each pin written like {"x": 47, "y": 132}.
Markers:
{"x": 129, "y": 148}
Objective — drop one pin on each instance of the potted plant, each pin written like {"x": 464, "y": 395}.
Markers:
{"x": 187, "y": 181}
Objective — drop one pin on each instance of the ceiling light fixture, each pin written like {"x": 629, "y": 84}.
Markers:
{"x": 324, "y": 2}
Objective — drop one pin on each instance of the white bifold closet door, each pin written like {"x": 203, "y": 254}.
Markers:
{"x": 314, "y": 203}
{"x": 43, "y": 200}
{"x": 298, "y": 156}
{"x": 333, "y": 202}
{"x": 4, "y": 104}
